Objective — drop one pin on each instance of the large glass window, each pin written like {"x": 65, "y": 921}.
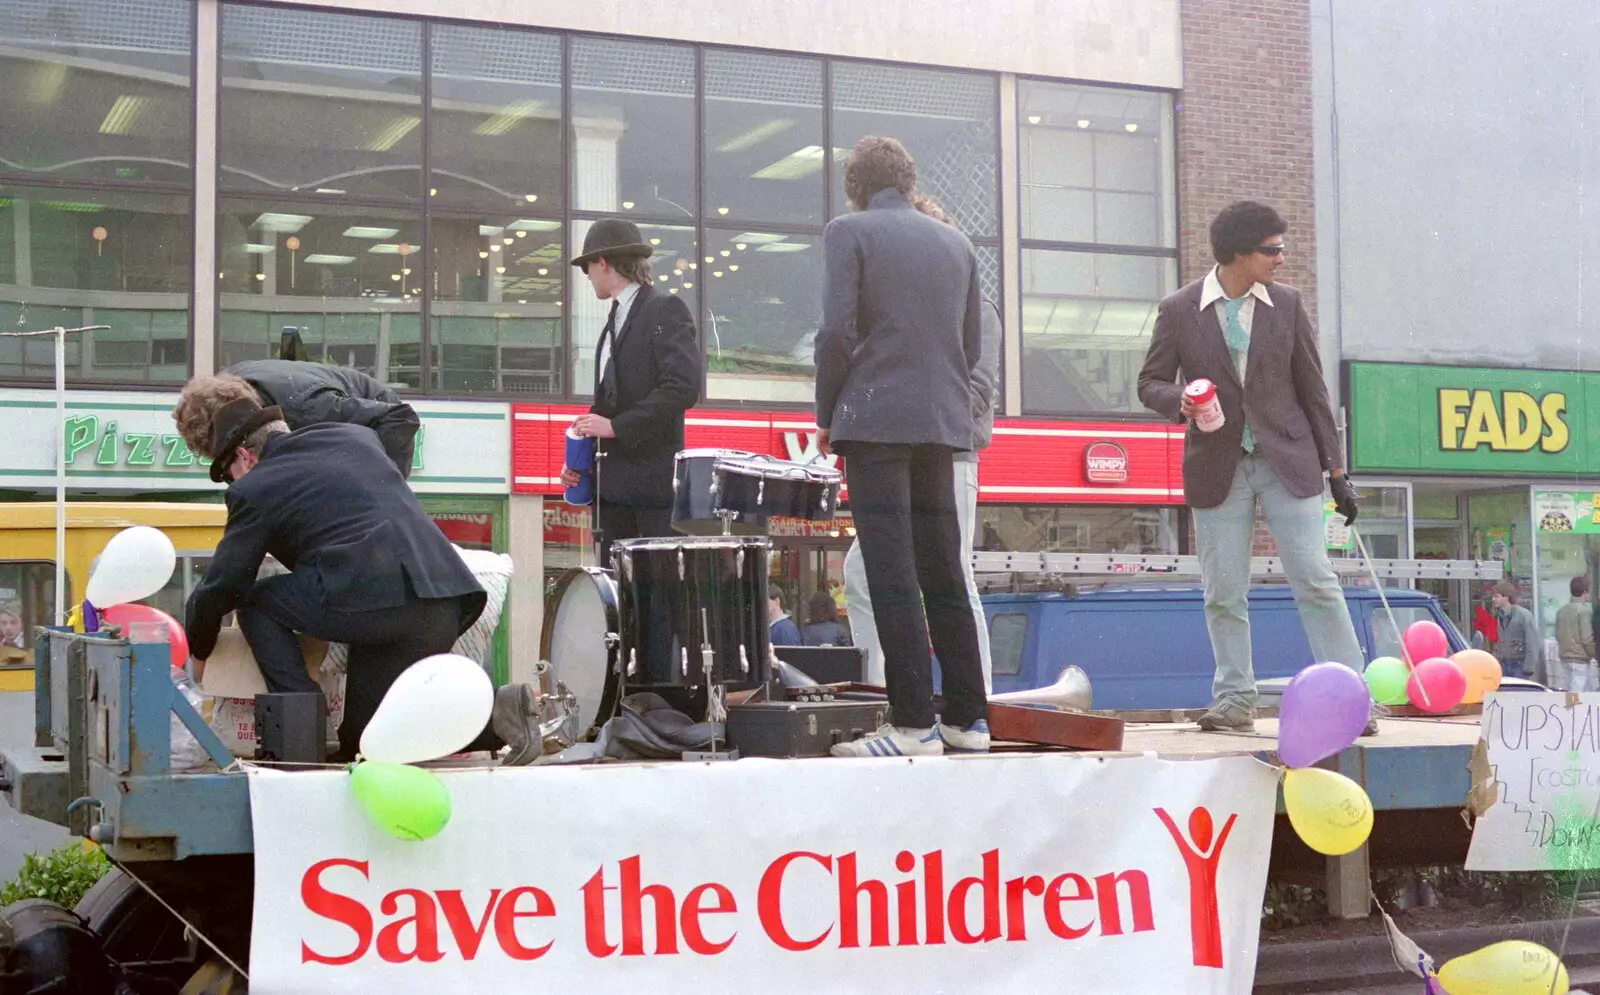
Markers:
{"x": 1078, "y": 529}
{"x": 675, "y": 267}
{"x": 349, "y": 278}
{"x": 633, "y": 127}
{"x": 117, "y": 257}
{"x": 1086, "y": 323}
{"x": 763, "y": 303}
{"x": 495, "y": 128}
{"x": 97, "y": 90}
{"x": 946, "y": 120}
{"x": 764, "y": 149}
{"x": 1097, "y": 182}
{"x": 320, "y": 104}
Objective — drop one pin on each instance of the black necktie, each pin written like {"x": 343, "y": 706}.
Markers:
{"x": 605, "y": 376}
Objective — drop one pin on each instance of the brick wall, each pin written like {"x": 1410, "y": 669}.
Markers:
{"x": 1244, "y": 126}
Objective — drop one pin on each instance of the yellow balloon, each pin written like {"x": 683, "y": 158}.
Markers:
{"x": 1513, "y": 967}
{"x": 1332, "y": 813}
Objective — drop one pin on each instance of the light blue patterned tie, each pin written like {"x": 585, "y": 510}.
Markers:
{"x": 1238, "y": 345}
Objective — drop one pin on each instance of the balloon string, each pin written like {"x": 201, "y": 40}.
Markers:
{"x": 1405, "y": 654}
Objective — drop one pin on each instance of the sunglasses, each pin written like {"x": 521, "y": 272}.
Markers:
{"x": 1271, "y": 250}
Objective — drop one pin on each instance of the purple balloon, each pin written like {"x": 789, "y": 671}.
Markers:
{"x": 1323, "y": 711}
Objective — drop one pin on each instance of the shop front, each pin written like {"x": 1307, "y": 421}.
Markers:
{"x": 1060, "y": 486}
{"x": 1489, "y": 464}
{"x": 122, "y": 447}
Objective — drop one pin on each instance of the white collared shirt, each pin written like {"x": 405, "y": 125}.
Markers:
{"x": 624, "y": 301}
{"x": 1211, "y": 292}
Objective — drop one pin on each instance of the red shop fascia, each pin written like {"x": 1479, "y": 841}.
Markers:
{"x": 1030, "y": 461}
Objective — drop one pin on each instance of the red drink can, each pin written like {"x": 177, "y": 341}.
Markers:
{"x": 1202, "y": 394}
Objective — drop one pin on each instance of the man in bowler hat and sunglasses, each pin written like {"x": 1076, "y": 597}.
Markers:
{"x": 647, "y": 374}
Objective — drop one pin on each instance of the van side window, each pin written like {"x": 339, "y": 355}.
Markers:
{"x": 1385, "y": 640}
{"x": 27, "y": 599}
{"x": 1008, "y": 634}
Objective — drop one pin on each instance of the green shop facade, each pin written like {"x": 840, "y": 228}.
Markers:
{"x": 1480, "y": 463}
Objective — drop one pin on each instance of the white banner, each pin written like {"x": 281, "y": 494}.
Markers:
{"x": 1543, "y": 753}
{"x": 1025, "y": 873}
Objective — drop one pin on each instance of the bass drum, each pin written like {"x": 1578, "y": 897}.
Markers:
{"x": 581, "y": 640}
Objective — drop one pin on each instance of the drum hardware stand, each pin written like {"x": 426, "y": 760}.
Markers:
{"x": 716, "y": 711}
{"x": 729, "y": 516}
{"x": 595, "y": 532}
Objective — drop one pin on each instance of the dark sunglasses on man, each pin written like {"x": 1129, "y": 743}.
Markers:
{"x": 1271, "y": 250}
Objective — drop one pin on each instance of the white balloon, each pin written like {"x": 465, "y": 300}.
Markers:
{"x": 436, "y": 707}
{"x": 136, "y": 563}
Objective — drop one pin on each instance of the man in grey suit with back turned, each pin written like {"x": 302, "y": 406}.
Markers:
{"x": 901, "y": 332}
{"x": 1253, "y": 339}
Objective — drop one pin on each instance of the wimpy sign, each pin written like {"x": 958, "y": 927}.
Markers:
{"x": 947, "y": 874}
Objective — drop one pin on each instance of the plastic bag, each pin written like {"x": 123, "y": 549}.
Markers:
{"x": 187, "y": 753}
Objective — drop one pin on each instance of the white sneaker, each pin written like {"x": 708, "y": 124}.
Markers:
{"x": 893, "y": 741}
{"x": 972, "y": 739}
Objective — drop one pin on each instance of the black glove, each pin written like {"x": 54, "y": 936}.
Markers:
{"x": 1344, "y": 497}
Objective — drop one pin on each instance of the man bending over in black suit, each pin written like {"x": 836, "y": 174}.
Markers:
{"x": 647, "y": 374}
{"x": 368, "y": 567}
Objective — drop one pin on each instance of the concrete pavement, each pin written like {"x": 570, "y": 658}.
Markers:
{"x": 20, "y": 835}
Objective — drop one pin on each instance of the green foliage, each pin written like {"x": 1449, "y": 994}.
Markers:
{"x": 1289, "y": 905}
{"x": 62, "y": 875}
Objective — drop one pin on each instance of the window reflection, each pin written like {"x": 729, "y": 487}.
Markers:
{"x": 946, "y": 120}
{"x": 1086, "y": 324}
{"x": 764, "y": 292}
{"x": 633, "y": 127}
{"x": 320, "y": 104}
{"x": 349, "y": 278}
{"x": 764, "y": 150}
{"x": 111, "y": 257}
{"x": 497, "y": 304}
{"x": 96, "y": 90}
{"x": 495, "y": 130}
{"x": 676, "y": 269}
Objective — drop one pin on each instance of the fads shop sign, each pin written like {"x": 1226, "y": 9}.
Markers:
{"x": 1134, "y": 875}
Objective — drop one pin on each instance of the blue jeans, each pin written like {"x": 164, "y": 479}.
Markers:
{"x": 1223, "y": 536}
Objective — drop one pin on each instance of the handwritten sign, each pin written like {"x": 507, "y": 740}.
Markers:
{"x": 1538, "y": 775}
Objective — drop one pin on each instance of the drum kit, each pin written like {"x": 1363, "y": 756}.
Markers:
{"x": 685, "y": 612}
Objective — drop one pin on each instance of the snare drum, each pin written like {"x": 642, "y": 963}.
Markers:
{"x": 750, "y": 488}
{"x": 690, "y": 602}
{"x": 581, "y": 641}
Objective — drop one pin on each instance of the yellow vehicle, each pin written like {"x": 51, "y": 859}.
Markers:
{"x": 28, "y": 553}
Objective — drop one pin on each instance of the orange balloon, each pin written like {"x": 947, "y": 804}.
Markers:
{"x": 1482, "y": 672}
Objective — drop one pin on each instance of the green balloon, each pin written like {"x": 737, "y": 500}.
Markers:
{"x": 1386, "y": 678}
{"x": 407, "y": 802}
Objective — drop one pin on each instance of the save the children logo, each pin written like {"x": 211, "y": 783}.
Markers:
{"x": 803, "y": 901}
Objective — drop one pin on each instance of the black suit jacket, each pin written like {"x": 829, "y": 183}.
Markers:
{"x": 657, "y": 379}
{"x": 310, "y": 393}
{"x": 327, "y": 503}
{"x": 902, "y": 328}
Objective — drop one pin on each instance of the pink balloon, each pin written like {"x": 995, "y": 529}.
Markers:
{"x": 126, "y": 614}
{"x": 1443, "y": 681}
{"x": 1424, "y": 641}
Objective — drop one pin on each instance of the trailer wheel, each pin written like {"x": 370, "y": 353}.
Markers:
{"x": 215, "y": 978}
{"x": 135, "y": 931}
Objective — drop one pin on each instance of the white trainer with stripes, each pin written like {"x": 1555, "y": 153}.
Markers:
{"x": 893, "y": 741}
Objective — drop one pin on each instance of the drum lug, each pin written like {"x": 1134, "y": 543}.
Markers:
{"x": 680, "y": 565}
{"x": 633, "y": 662}
{"x": 738, "y": 568}
{"x": 827, "y": 496}
{"x": 744, "y": 660}
{"x": 626, "y": 562}
{"x": 761, "y": 490}
{"x": 685, "y": 652}
{"x": 612, "y": 640}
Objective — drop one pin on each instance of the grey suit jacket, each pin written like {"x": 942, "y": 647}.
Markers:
{"x": 1284, "y": 395}
{"x": 901, "y": 328}
{"x": 985, "y": 385}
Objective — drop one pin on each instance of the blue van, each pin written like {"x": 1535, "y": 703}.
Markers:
{"x": 1146, "y": 647}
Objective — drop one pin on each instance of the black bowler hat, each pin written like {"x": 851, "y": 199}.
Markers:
{"x": 230, "y": 426}
{"x": 612, "y": 237}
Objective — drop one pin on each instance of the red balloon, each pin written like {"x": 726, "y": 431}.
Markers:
{"x": 1424, "y": 640}
{"x": 125, "y": 615}
{"x": 1443, "y": 681}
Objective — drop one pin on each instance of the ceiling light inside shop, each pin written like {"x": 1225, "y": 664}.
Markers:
{"x": 759, "y": 238}
{"x": 390, "y": 134}
{"x": 361, "y": 231}
{"x": 286, "y": 224}
{"x": 796, "y": 165}
{"x": 533, "y": 224}
{"x": 490, "y": 231}
{"x": 783, "y": 247}
{"x": 755, "y": 136}
{"x": 530, "y": 197}
{"x": 323, "y": 259}
{"x": 1131, "y": 126}
{"x": 508, "y": 117}
{"x": 1034, "y": 119}
{"x": 655, "y": 241}
{"x": 1083, "y": 122}
{"x": 627, "y": 205}
{"x": 47, "y": 83}
{"x": 124, "y": 115}
{"x": 256, "y": 248}
{"x": 386, "y": 249}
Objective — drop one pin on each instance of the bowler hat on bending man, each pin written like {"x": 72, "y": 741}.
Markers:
{"x": 612, "y": 237}
{"x": 230, "y": 426}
